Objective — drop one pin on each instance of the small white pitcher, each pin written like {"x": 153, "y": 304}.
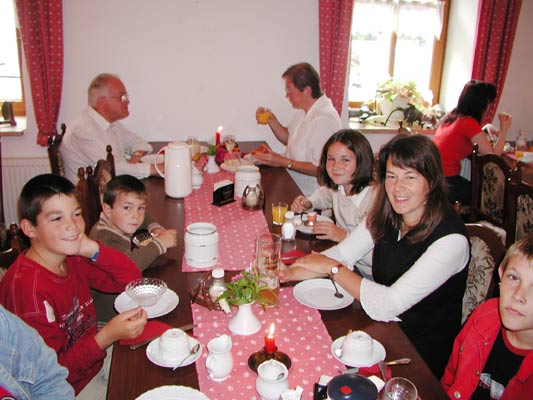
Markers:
{"x": 219, "y": 362}
{"x": 272, "y": 380}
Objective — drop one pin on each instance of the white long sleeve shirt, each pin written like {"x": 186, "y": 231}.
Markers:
{"x": 442, "y": 259}
{"x": 86, "y": 140}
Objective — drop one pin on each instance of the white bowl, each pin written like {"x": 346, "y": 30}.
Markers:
{"x": 146, "y": 292}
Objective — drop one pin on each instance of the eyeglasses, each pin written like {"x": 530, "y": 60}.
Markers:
{"x": 124, "y": 98}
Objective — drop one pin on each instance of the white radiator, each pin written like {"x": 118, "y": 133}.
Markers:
{"x": 15, "y": 173}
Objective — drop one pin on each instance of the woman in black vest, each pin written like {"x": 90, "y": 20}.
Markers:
{"x": 419, "y": 248}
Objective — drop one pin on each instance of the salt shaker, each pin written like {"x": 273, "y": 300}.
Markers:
{"x": 218, "y": 285}
{"x": 288, "y": 229}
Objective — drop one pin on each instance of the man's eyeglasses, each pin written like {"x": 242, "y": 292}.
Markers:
{"x": 124, "y": 98}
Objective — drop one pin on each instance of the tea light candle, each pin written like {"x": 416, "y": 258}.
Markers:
{"x": 217, "y": 135}
{"x": 270, "y": 345}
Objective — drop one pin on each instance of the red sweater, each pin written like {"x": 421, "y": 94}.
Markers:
{"x": 471, "y": 351}
{"x": 454, "y": 143}
{"x": 61, "y": 308}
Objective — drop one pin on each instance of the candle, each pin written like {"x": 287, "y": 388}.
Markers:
{"x": 270, "y": 345}
{"x": 217, "y": 135}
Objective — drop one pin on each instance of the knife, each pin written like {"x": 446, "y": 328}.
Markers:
{"x": 141, "y": 344}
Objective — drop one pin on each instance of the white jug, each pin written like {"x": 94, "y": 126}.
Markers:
{"x": 178, "y": 175}
{"x": 219, "y": 362}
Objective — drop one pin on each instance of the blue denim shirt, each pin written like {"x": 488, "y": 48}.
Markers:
{"x": 28, "y": 367}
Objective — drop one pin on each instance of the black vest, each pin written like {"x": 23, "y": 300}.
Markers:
{"x": 432, "y": 323}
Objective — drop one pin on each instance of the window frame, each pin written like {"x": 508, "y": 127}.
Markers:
{"x": 437, "y": 62}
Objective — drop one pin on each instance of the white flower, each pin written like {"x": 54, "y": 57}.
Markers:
{"x": 225, "y": 306}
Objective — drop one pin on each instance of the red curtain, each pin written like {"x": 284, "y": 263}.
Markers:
{"x": 494, "y": 43}
{"x": 335, "y": 19}
{"x": 41, "y": 28}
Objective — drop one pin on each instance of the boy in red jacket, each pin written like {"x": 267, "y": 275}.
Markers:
{"x": 492, "y": 356}
{"x": 48, "y": 286}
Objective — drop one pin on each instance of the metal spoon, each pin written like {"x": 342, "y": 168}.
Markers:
{"x": 337, "y": 294}
{"x": 194, "y": 350}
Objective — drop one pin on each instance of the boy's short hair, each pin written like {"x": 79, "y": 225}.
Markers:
{"x": 39, "y": 189}
{"x": 523, "y": 248}
{"x": 124, "y": 184}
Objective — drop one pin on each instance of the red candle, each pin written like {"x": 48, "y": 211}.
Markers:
{"x": 217, "y": 136}
{"x": 270, "y": 345}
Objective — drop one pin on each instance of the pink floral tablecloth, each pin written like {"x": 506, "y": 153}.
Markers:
{"x": 237, "y": 228}
{"x": 299, "y": 332}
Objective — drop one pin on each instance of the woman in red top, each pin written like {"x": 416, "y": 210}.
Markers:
{"x": 460, "y": 129}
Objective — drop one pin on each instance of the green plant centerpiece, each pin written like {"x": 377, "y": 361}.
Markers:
{"x": 245, "y": 288}
{"x": 211, "y": 149}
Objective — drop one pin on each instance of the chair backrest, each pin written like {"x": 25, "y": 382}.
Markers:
{"x": 487, "y": 251}
{"x": 91, "y": 187}
{"x": 7, "y": 257}
{"x": 111, "y": 159}
{"x": 519, "y": 211}
{"x": 491, "y": 176}
{"x": 54, "y": 152}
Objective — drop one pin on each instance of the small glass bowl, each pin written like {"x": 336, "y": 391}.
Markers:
{"x": 146, "y": 292}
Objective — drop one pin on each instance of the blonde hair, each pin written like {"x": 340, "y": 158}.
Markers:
{"x": 522, "y": 249}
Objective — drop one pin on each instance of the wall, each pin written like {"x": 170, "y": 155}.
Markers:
{"x": 192, "y": 65}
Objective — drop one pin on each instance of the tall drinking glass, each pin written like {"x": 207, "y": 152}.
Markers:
{"x": 268, "y": 255}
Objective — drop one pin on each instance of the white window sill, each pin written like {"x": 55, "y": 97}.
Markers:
{"x": 18, "y": 130}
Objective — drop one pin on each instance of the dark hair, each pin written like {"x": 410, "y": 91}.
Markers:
{"x": 39, "y": 189}
{"x": 302, "y": 75}
{"x": 419, "y": 153}
{"x": 359, "y": 145}
{"x": 523, "y": 249}
{"x": 473, "y": 101}
{"x": 123, "y": 184}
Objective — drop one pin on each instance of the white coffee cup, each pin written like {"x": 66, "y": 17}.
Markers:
{"x": 357, "y": 345}
{"x": 174, "y": 345}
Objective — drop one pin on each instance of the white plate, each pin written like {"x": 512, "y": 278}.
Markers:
{"x": 151, "y": 158}
{"x": 173, "y": 393}
{"x": 152, "y": 352}
{"x": 378, "y": 354}
{"x": 166, "y": 304}
{"x": 527, "y": 157}
{"x": 232, "y": 166}
{"x": 319, "y": 294}
{"x": 309, "y": 229}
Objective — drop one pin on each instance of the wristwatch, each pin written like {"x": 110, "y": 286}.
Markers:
{"x": 289, "y": 165}
{"x": 335, "y": 269}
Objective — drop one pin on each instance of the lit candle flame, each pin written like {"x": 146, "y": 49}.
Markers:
{"x": 271, "y": 330}
{"x": 220, "y": 129}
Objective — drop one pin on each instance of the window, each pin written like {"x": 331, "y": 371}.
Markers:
{"x": 10, "y": 58}
{"x": 403, "y": 39}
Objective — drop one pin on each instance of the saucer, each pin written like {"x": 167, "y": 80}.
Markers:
{"x": 309, "y": 229}
{"x": 152, "y": 352}
{"x": 378, "y": 354}
{"x": 166, "y": 304}
{"x": 173, "y": 393}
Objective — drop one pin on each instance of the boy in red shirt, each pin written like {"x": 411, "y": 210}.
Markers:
{"x": 48, "y": 286}
{"x": 492, "y": 356}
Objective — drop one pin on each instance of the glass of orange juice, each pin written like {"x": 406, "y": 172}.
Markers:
{"x": 278, "y": 212}
{"x": 263, "y": 115}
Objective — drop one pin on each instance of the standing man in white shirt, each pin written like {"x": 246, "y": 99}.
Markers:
{"x": 312, "y": 125}
{"x": 87, "y": 137}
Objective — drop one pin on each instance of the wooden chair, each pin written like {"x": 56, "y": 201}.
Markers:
{"x": 519, "y": 211}
{"x": 91, "y": 187}
{"x": 111, "y": 160}
{"x": 487, "y": 251}
{"x": 16, "y": 245}
{"x": 54, "y": 152}
{"x": 491, "y": 176}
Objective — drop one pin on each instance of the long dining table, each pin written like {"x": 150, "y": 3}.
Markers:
{"x": 132, "y": 373}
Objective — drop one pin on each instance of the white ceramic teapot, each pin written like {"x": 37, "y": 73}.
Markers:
{"x": 272, "y": 379}
{"x": 178, "y": 175}
{"x": 219, "y": 362}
